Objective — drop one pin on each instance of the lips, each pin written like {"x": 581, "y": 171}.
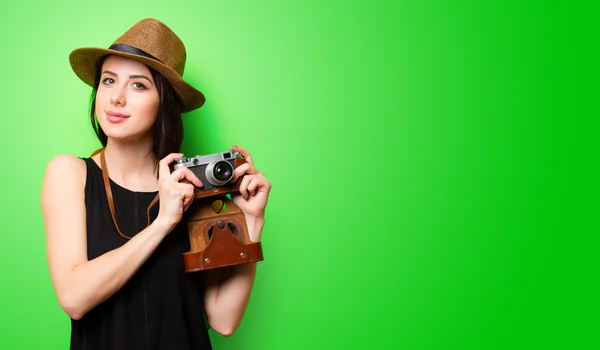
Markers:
{"x": 115, "y": 117}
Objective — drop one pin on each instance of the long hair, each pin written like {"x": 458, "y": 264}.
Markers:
{"x": 168, "y": 128}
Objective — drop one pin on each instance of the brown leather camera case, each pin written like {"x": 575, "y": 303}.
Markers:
{"x": 218, "y": 231}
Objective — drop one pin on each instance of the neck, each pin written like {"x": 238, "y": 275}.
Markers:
{"x": 132, "y": 165}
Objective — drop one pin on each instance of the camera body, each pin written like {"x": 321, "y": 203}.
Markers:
{"x": 214, "y": 170}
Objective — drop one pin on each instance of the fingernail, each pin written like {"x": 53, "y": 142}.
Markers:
{"x": 245, "y": 196}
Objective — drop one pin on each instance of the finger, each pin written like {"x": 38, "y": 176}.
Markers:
{"x": 182, "y": 174}
{"x": 187, "y": 201}
{"x": 186, "y": 193}
{"x": 267, "y": 186}
{"x": 176, "y": 190}
{"x": 184, "y": 187}
{"x": 240, "y": 171}
{"x": 163, "y": 165}
{"x": 244, "y": 154}
{"x": 253, "y": 185}
{"x": 244, "y": 186}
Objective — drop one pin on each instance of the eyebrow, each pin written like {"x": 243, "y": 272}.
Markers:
{"x": 130, "y": 77}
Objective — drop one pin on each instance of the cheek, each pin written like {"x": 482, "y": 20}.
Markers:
{"x": 148, "y": 107}
{"x": 101, "y": 96}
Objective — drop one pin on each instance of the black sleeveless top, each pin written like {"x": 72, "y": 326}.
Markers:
{"x": 160, "y": 307}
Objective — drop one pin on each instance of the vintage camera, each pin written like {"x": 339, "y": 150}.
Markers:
{"x": 214, "y": 170}
{"x": 216, "y": 226}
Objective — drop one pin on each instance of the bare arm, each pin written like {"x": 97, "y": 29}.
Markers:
{"x": 227, "y": 290}
{"x": 81, "y": 284}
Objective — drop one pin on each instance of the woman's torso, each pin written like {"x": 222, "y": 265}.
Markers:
{"x": 160, "y": 307}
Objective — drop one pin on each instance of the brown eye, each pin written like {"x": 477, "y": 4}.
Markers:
{"x": 139, "y": 86}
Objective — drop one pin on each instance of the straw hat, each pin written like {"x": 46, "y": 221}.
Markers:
{"x": 152, "y": 43}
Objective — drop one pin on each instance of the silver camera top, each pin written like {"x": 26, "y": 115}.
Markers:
{"x": 204, "y": 160}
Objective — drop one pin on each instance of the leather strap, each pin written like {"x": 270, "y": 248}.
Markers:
{"x": 109, "y": 196}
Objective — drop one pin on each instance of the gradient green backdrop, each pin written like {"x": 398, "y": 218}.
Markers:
{"x": 416, "y": 149}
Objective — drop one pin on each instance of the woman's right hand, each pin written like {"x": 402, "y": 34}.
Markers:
{"x": 175, "y": 196}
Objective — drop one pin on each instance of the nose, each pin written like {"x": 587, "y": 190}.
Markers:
{"x": 118, "y": 97}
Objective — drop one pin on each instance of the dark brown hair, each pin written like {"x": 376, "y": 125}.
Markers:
{"x": 168, "y": 128}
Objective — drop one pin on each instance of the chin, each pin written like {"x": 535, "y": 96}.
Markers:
{"x": 115, "y": 131}
{"x": 123, "y": 134}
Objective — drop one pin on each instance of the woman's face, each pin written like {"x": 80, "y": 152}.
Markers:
{"x": 127, "y": 99}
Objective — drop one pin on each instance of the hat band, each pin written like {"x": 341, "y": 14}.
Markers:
{"x": 133, "y": 50}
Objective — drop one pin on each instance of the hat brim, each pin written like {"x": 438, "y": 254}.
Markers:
{"x": 84, "y": 62}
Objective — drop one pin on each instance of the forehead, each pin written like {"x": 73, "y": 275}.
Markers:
{"x": 124, "y": 65}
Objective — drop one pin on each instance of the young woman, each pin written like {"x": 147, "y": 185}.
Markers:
{"x": 122, "y": 281}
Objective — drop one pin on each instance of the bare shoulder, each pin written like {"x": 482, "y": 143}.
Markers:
{"x": 64, "y": 171}
{"x": 66, "y": 165}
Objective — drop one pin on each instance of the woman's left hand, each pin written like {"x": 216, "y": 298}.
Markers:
{"x": 254, "y": 188}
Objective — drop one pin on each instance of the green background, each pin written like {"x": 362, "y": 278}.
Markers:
{"x": 432, "y": 162}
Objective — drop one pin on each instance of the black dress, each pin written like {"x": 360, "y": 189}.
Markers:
{"x": 160, "y": 307}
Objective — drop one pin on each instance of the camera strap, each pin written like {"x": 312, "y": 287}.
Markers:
{"x": 109, "y": 196}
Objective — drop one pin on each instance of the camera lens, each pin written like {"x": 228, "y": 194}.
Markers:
{"x": 219, "y": 173}
{"x": 223, "y": 171}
